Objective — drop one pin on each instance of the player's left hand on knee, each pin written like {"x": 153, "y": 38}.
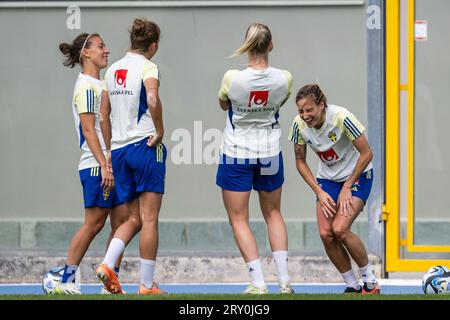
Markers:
{"x": 345, "y": 202}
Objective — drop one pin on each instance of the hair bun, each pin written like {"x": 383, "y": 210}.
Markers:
{"x": 139, "y": 27}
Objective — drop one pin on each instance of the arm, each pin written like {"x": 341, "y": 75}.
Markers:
{"x": 155, "y": 109}
{"x": 105, "y": 126}
{"x": 88, "y": 127}
{"x": 224, "y": 105}
{"x": 345, "y": 197}
{"x": 327, "y": 203}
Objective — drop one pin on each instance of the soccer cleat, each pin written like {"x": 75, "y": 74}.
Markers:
{"x": 286, "y": 288}
{"x": 251, "y": 289}
{"x": 153, "y": 290}
{"x": 371, "y": 288}
{"x": 351, "y": 290}
{"x": 67, "y": 288}
{"x": 109, "y": 279}
{"x": 105, "y": 291}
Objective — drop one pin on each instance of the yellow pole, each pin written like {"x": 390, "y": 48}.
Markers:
{"x": 392, "y": 134}
{"x": 411, "y": 88}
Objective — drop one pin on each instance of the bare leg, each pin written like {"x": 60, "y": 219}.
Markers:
{"x": 341, "y": 228}
{"x": 236, "y": 204}
{"x": 95, "y": 218}
{"x": 118, "y": 215}
{"x": 128, "y": 230}
{"x": 334, "y": 249}
{"x": 270, "y": 206}
{"x": 149, "y": 206}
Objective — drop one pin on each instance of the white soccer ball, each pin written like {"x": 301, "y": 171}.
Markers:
{"x": 51, "y": 279}
{"x": 436, "y": 280}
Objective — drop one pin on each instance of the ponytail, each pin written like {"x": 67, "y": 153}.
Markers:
{"x": 72, "y": 52}
{"x": 257, "y": 40}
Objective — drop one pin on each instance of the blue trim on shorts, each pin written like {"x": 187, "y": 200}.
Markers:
{"x": 361, "y": 189}
{"x": 241, "y": 175}
{"x": 93, "y": 193}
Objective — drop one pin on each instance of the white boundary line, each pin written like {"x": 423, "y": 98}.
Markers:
{"x": 383, "y": 282}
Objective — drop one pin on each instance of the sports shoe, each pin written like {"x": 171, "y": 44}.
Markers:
{"x": 351, "y": 290}
{"x": 286, "y": 288}
{"x": 251, "y": 289}
{"x": 105, "y": 291}
{"x": 67, "y": 288}
{"x": 153, "y": 290}
{"x": 109, "y": 279}
{"x": 371, "y": 288}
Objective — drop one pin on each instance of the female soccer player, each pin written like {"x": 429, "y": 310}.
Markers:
{"x": 100, "y": 198}
{"x": 344, "y": 179}
{"x": 134, "y": 134}
{"x": 251, "y": 154}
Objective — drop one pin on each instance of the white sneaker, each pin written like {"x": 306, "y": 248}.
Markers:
{"x": 67, "y": 288}
{"x": 251, "y": 289}
{"x": 286, "y": 288}
{"x": 105, "y": 291}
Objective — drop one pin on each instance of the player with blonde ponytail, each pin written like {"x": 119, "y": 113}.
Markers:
{"x": 251, "y": 154}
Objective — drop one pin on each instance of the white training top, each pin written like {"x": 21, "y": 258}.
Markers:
{"x": 130, "y": 119}
{"x": 252, "y": 129}
{"x": 332, "y": 142}
{"x": 87, "y": 96}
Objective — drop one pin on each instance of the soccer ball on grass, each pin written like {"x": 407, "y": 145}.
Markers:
{"x": 436, "y": 280}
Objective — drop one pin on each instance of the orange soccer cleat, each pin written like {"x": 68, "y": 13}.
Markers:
{"x": 153, "y": 290}
{"x": 371, "y": 291}
{"x": 109, "y": 279}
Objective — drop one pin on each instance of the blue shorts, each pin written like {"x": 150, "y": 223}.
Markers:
{"x": 139, "y": 168}
{"x": 361, "y": 189}
{"x": 93, "y": 193}
{"x": 263, "y": 174}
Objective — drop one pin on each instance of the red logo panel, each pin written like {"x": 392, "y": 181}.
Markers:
{"x": 120, "y": 77}
{"x": 329, "y": 155}
{"x": 258, "y": 98}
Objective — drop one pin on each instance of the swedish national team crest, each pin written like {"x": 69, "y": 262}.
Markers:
{"x": 332, "y": 135}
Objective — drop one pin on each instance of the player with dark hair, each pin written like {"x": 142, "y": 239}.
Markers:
{"x": 343, "y": 181}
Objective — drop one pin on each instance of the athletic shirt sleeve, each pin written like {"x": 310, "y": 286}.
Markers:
{"x": 288, "y": 77}
{"x": 295, "y": 134}
{"x": 86, "y": 98}
{"x": 150, "y": 70}
{"x": 226, "y": 84}
{"x": 348, "y": 123}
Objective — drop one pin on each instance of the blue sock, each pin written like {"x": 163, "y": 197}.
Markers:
{"x": 116, "y": 270}
{"x": 69, "y": 273}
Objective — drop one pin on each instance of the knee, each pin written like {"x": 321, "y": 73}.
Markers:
{"x": 237, "y": 219}
{"x": 117, "y": 222}
{"x": 327, "y": 237}
{"x": 271, "y": 214}
{"x": 341, "y": 233}
{"x": 136, "y": 222}
{"x": 149, "y": 219}
{"x": 96, "y": 226}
